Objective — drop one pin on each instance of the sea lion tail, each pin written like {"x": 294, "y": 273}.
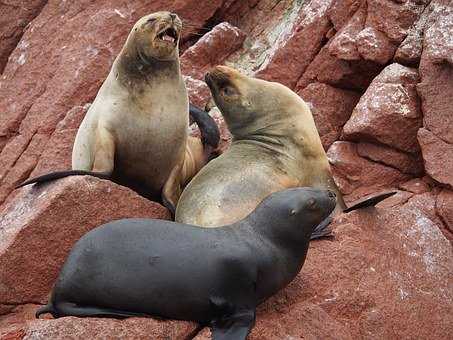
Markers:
{"x": 61, "y": 174}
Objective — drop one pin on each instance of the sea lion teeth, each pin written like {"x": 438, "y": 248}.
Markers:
{"x": 168, "y": 38}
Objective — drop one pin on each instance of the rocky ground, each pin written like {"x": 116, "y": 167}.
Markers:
{"x": 378, "y": 75}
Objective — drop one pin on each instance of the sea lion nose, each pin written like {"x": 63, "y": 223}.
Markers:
{"x": 173, "y": 16}
{"x": 331, "y": 194}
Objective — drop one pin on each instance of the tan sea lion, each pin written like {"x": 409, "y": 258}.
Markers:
{"x": 136, "y": 130}
{"x": 275, "y": 146}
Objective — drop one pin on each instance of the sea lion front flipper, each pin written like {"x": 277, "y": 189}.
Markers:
{"x": 210, "y": 134}
{"x": 322, "y": 229}
{"x": 104, "y": 154}
{"x": 370, "y": 201}
{"x": 233, "y": 327}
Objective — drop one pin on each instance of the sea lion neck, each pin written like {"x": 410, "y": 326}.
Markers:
{"x": 133, "y": 67}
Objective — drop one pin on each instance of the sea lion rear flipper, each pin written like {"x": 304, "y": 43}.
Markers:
{"x": 210, "y": 134}
{"x": 370, "y": 201}
{"x": 233, "y": 327}
{"x": 71, "y": 309}
{"x": 61, "y": 174}
{"x": 322, "y": 230}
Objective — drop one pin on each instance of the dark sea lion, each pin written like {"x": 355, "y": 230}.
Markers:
{"x": 136, "y": 130}
{"x": 214, "y": 276}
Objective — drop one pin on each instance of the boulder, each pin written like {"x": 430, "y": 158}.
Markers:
{"x": 357, "y": 177}
{"x": 212, "y": 49}
{"x": 41, "y": 224}
{"x": 331, "y": 108}
{"x": 389, "y": 111}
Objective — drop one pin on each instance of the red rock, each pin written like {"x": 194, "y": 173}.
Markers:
{"x": 393, "y": 19}
{"x": 410, "y": 50}
{"x": 416, "y": 185}
{"x": 407, "y": 163}
{"x": 331, "y": 108}
{"x": 438, "y": 156}
{"x": 444, "y": 208}
{"x": 358, "y": 177}
{"x": 58, "y": 151}
{"x": 436, "y": 71}
{"x": 381, "y": 263}
{"x": 199, "y": 93}
{"x": 212, "y": 49}
{"x": 23, "y": 324}
{"x": 41, "y": 224}
{"x": 389, "y": 111}
{"x": 326, "y": 68}
{"x": 344, "y": 43}
{"x": 294, "y": 51}
{"x": 375, "y": 46}
{"x": 342, "y": 10}
{"x": 14, "y": 18}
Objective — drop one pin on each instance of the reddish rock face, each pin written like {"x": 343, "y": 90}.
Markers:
{"x": 407, "y": 163}
{"x": 357, "y": 177}
{"x": 438, "y": 157}
{"x": 444, "y": 207}
{"x": 389, "y": 111}
{"x": 212, "y": 49}
{"x": 331, "y": 108}
{"x": 21, "y": 324}
{"x": 41, "y": 224}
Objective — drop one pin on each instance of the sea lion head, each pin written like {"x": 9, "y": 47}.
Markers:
{"x": 156, "y": 36}
{"x": 291, "y": 215}
{"x": 249, "y": 104}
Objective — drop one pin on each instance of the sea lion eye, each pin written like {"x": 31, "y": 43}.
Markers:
{"x": 292, "y": 212}
{"x": 227, "y": 91}
{"x": 150, "y": 20}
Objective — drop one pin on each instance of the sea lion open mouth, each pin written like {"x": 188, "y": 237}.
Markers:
{"x": 169, "y": 34}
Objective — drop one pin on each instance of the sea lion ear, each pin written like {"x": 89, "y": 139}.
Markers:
{"x": 311, "y": 204}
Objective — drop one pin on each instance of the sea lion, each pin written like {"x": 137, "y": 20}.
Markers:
{"x": 136, "y": 130}
{"x": 214, "y": 276}
{"x": 276, "y": 145}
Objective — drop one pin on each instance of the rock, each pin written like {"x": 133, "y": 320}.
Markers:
{"x": 394, "y": 19}
{"x": 416, "y": 185}
{"x": 342, "y": 10}
{"x": 291, "y": 55}
{"x": 381, "y": 264}
{"x": 331, "y": 108}
{"x": 326, "y": 68}
{"x": 407, "y": 163}
{"x": 39, "y": 227}
{"x": 344, "y": 43}
{"x": 212, "y": 49}
{"x": 58, "y": 151}
{"x": 375, "y": 46}
{"x": 389, "y": 111}
{"x": 410, "y": 50}
{"x": 357, "y": 177}
{"x": 14, "y": 18}
{"x": 198, "y": 91}
{"x": 444, "y": 208}
{"x": 437, "y": 155}
{"x": 436, "y": 72}
{"x": 22, "y": 325}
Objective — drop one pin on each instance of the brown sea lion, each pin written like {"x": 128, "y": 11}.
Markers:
{"x": 275, "y": 146}
{"x": 136, "y": 130}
